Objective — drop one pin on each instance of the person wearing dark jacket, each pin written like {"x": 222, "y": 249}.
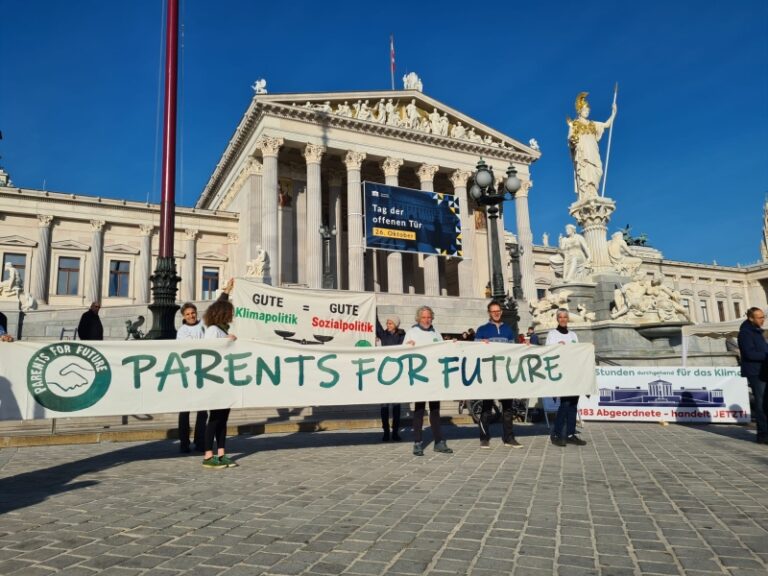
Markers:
{"x": 90, "y": 327}
{"x": 754, "y": 353}
{"x": 392, "y": 335}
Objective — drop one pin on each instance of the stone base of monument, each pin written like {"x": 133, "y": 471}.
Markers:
{"x": 576, "y": 293}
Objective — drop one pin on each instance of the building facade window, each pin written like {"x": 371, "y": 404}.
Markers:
{"x": 68, "y": 276}
{"x": 704, "y": 310}
{"x": 210, "y": 282}
{"x": 737, "y": 310}
{"x": 541, "y": 293}
{"x": 18, "y": 261}
{"x": 721, "y": 310}
{"x": 687, "y": 305}
{"x": 119, "y": 278}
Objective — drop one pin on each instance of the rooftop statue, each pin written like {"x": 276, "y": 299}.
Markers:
{"x": 260, "y": 86}
{"x": 583, "y": 137}
{"x": 411, "y": 81}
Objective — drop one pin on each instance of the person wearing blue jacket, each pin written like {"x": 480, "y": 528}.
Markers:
{"x": 754, "y": 353}
{"x": 496, "y": 331}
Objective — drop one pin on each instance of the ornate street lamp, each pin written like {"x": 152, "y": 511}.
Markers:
{"x": 487, "y": 194}
{"x": 327, "y": 234}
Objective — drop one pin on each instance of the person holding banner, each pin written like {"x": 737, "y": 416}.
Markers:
{"x": 496, "y": 331}
{"x": 423, "y": 332}
{"x": 754, "y": 359}
{"x": 564, "y": 431}
{"x": 392, "y": 335}
{"x": 217, "y": 319}
{"x": 191, "y": 329}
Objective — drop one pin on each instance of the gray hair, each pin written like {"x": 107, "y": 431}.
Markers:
{"x": 562, "y": 311}
{"x": 422, "y": 309}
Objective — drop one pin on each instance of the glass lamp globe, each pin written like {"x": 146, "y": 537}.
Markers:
{"x": 475, "y": 191}
{"x": 483, "y": 178}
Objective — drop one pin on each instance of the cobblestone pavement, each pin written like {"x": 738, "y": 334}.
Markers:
{"x": 638, "y": 499}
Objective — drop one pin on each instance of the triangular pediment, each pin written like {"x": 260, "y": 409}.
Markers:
{"x": 211, "y": 256}
{"x": 121, "y": 249}
{"x": 70, "y": 245}
{"x": 17, "y": 241}
{"x": 399, "y": 109}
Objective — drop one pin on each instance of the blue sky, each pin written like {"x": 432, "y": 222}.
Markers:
{"x": 689, "y": 159}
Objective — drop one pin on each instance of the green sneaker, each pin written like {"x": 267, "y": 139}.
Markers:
{"x": 228, "y": 462}
{"x": 213, "y": 462}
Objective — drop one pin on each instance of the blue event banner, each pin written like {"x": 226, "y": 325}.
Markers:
{"x": 408, "y": 220}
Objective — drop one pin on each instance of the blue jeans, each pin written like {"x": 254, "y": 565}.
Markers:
{"x": 758, "y": 391}
{"x": 565, "y": 421}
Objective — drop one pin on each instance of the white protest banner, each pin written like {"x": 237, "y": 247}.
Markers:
{"x": 143, "y": 376}
{"x": 670, "y": 394}
{"x": 303, "y": 316}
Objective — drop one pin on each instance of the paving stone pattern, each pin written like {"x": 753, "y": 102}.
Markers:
{"x": 638, "y": 499}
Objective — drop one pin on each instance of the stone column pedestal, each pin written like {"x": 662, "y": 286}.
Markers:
{"x": 593, "y": 215}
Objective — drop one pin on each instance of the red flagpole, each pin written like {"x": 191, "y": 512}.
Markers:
{"x": 168, "y": 202}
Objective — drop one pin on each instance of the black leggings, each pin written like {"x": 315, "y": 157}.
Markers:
{"x": 434, "y": 420}
{"x": 216, "y": 428}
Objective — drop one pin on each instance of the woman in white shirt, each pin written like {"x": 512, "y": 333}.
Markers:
{"x": 191, "y": 329}
{"x": 217, "y": 319}
{"x": 564, "y": 431}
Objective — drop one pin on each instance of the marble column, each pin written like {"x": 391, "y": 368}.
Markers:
{"x": 39, "y": 288}
{"x": 314, "y": 249}
{"x": 190, "y": 265}
{"x": 270, "y": 147}
{"x": 334, "y": 221}
{"x": 250, "y": 210}
{"x": 145, "y": 264}
{"x": 354, "y": 161}
{"x": 93, "y": 292}
{"x": 426, "y": 174}
{"x": 233, "y": 240}
{"x": 391, "y": 168}
{"x": 525, "y": 241}
{"x": 467, "y": 272}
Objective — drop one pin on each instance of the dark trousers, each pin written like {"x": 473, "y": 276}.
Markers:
{"x": 200, "y": 421}
{"x": 434, "y": 420}
{"x": 758, "y": 391}
{"x": 216, "y": 428}
{"x": 395, "y": 417}
{"x": 507, "y": 419}
{"x": 565, "y": 421}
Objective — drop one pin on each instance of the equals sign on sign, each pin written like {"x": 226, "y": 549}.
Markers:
{"x": 305, "y": 308}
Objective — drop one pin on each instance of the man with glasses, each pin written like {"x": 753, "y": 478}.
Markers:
{"x": 496, "y": 331}
{"x": 754, "y": 352}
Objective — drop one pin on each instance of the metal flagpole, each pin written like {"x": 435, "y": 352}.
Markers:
{"x": 392, "y": 59}
{"x": 610, "y": 133}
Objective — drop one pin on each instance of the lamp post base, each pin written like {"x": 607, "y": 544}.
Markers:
{"x": 164, "y": 306}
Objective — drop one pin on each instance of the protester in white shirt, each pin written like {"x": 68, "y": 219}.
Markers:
{"x": 564, "y": 431}
{"x": 423, "y": 332}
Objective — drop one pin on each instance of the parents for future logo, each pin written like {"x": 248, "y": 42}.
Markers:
{"x": 68, "y": 377}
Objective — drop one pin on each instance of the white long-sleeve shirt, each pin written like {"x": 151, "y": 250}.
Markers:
{"x": 555, "y": 337}
{"x": 191, "y": 332}
{"x": 421, "y": 336}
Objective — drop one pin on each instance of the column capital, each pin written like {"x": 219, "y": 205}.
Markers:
{"x": 254, "y": 168}
{"x": 269, "y": 145}
{"x": 146, "y": 229}
{"x": 44, "y": 220}
{"x": 190, "y": 233}
{"x": 354, "y": 160}
{"x": 97, "y": 225}
{"x": 426, "y": 172}
{"x": 525, "y": 186}
{"x": 314, "y": 153}
{"x": 459, "y": 178}
{"x": 391, "y": 166}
